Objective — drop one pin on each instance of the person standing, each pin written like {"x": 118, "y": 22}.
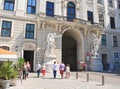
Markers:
{"x": 24, "y": 70}
{"x": 38, "y": 68}
{"x": 54, "y": 67}
{"x": 61, "y": 68}
{"x": 28, "y": 69}
{"x": 67, "y": 69}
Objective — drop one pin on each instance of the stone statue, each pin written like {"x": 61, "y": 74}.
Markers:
{"x": 50, "y": 45}
{"x": 95, "y": 46}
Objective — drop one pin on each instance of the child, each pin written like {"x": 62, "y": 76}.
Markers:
{"x": 67, "y": 69}
{"x": 43, "y": 70}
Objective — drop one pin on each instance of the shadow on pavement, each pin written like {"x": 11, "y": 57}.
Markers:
{"x": 99, "y": 85}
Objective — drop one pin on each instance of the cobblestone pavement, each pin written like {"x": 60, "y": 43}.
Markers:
{"x": 112, "y": 81}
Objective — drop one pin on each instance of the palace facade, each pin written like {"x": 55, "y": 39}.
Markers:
{"x": 25, "y": 24}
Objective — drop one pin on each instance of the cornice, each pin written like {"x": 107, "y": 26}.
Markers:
{"x": 18, "y": 18}
{"x": 112, "y": 31}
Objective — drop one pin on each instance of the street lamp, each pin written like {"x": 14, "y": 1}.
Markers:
{"x": 16, "y": 48}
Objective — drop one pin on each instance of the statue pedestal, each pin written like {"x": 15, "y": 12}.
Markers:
{"x": 48, "y": 61}
{"x": 96, "y": 64}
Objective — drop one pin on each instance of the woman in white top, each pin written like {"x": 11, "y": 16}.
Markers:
{"x": 67, "y": 69}
{"x": 38, "y": 67}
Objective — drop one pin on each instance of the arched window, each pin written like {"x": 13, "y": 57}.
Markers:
{"x": 70, "y": 11}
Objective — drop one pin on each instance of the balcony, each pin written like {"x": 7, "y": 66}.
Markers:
{"x": 76, "y": 20}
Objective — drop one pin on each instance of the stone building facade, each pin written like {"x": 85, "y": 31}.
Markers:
{"x": 25, "y": 24}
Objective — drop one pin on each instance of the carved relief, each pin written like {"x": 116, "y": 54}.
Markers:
{"x": 50, "y": 24}
{"x": 111, "y": 12}
{"x": 100, "y": 10}
{"x": 58, "y": 27}
{"x": 29, "y": 46}
{"x": 89, "y": 6}
{"x": 76, "y": 2}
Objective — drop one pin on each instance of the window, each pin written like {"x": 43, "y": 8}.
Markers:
{"x": 70, "y": 11}
{"x": 118, "y": 4}
{"x": 9, "y": 5}
{"x": 6, "y": 28}
{"x": 29, "y": 31}
{"x": 100, "y": 1}
{"x": 101, "y": 19}
{"x": 90, "y": 16}
{"x": 112, "y": 22}
{"x": 49, "y": 9}
{"x": 110, "y": 3}
{"x": 115, "y": 42}
{"x": 31, "y": 6}
{"x": 104, "y": 43}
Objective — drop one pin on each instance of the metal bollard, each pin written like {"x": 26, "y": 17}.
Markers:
{"x": 87, "y": 77}
{"x": 103, "y": 80}
{"x": 76, "y": 75}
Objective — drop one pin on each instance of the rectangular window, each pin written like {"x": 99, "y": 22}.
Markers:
{"x": 110, "y": 3}
{"x": 112, "y": 22}
{"x": 90, "y": 16}
{"x": 9, "y": 5}
{"x": 104, "y": 43}
{"x": 29, "y": 34}
{"x": 101, "y": 19}
{"x": 118, "y": 4}
{"x": 115, "y": 42}
{"x": 100, "y": 1}
{"x": 31, "y": 6}
{"x": 6, "y": 28}
{"x": 49, "y": 9}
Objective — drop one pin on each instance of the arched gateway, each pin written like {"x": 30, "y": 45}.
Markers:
{"x": 72, "y": 48}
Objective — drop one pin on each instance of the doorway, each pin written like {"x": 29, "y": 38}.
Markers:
{"x": 104, "y": 62}
{"x": 29, "y": 56}
{"x": 69, "y": 52}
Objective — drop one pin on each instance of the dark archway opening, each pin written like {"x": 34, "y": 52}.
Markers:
{"x": 29, "y": 56}
{"x": 69, "y": 52}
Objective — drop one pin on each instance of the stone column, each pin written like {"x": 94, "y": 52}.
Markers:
{"x": 20, "y": 7}
{"x": 43, "y": 6}
{"x": 78, "y": 10}
{"x": 106, "y": 19}
{"x": 64, "y": 9}
{"x": 95, "y": 13}
{"x": 83, "y": 12}
{"x": 57, "y": 8}
{"x": 2, "y": 4}
{"x": 117, "y": 13}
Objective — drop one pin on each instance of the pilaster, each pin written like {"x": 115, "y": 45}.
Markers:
{"x": 84, "y": 10}
{"x": 95, "y": 13}
{"x": 1, "y": 6}
{"x": 43, "y": 6}
{"x": 20, "y": 7}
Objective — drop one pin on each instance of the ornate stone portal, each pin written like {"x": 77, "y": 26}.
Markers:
{"x": 79, "y": 29}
